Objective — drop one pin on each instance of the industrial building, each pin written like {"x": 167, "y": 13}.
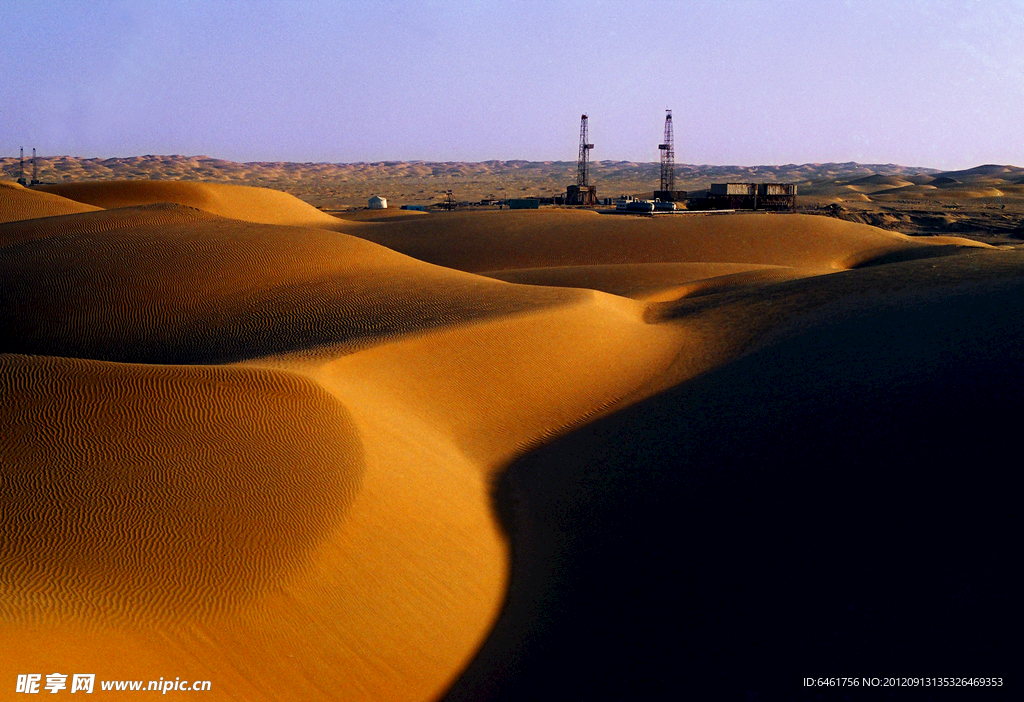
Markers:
{"x": 745, "y": 196}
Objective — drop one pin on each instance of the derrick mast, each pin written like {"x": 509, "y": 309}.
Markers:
{"x": 583, "y": 164}
{"x": 668, "y": 156}
{"x": 582, "y": 192}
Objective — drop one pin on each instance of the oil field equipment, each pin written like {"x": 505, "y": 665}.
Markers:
{"x": 668, "y": 192}
{"x": 746, "y": 196}
{"x": 449, "y": 201}
{"x": 582, "y": 193}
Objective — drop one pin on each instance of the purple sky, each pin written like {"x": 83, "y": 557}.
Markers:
{"x": 915, "y": 82}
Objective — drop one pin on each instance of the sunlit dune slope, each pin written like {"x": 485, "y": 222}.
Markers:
{"x": 18, "y": 203}
{"x": 101, "y": 451}
{"x": 243, "y": 202}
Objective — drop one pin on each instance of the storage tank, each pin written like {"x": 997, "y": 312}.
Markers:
{"x": 640, "y": 206}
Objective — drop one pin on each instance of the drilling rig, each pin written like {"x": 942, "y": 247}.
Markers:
{"x": 582, "y": 192}
{"x": 668, "y": 192}
{"x": 668, "y": 156}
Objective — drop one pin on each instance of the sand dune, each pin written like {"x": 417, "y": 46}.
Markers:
{"x": 18, "y": 202}
{"x": 440, "y": 456}
{"x": 500, "y": 241}
{"x": 883, "y": 180}
{"x": 170, "y": 284}
{"x": 235, "y": 201}
{"x": 818, "y": 497}
{"x": 223, "y": 526}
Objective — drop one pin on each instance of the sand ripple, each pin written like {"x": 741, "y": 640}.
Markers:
{"x": 165, "y": 490}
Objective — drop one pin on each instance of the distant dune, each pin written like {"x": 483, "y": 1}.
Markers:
{"x": 236, "y": 201}
{"x": 345, "y": 185}
{"x": 18, "y": 202}
{"x": 892, "y": 181}
{"x": 910, "y": 200}
{"x": 498, "y": 455}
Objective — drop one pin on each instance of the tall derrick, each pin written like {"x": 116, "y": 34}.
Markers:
{"x": 583, "y": 164}
{"x": 582, "y": 193}
{"x": 668, "y": 157}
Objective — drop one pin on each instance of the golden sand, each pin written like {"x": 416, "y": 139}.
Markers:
{"x": 236, "y": 201}
{"x": 463, "y": 454}
{"x": 18, "y": 202}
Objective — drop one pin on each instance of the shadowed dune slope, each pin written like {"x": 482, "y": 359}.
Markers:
{"x": 839, "y": 494}
{"x": 19, "y": 203}
{"x": 243, "y": 202}
{"x": 170, "y": 284}
{"x": 497, "y": 241}
{"x": 649, "y": 281}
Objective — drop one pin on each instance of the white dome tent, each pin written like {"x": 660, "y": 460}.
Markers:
{"x": 378, "y": 203}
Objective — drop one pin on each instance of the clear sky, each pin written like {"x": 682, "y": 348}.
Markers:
{"x": 935, "y": 83}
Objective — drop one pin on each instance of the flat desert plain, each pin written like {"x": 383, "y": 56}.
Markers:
{"x": 495, "y": 455}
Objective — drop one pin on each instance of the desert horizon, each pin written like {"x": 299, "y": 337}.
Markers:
{"x": 985, "y": 202}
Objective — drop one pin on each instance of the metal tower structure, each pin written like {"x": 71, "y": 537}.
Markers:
{"x": 35, "y": 169}
{"x": 21, "y": 168}
{"x": 583, "y": 164}
{"x": 668, "y": 157}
